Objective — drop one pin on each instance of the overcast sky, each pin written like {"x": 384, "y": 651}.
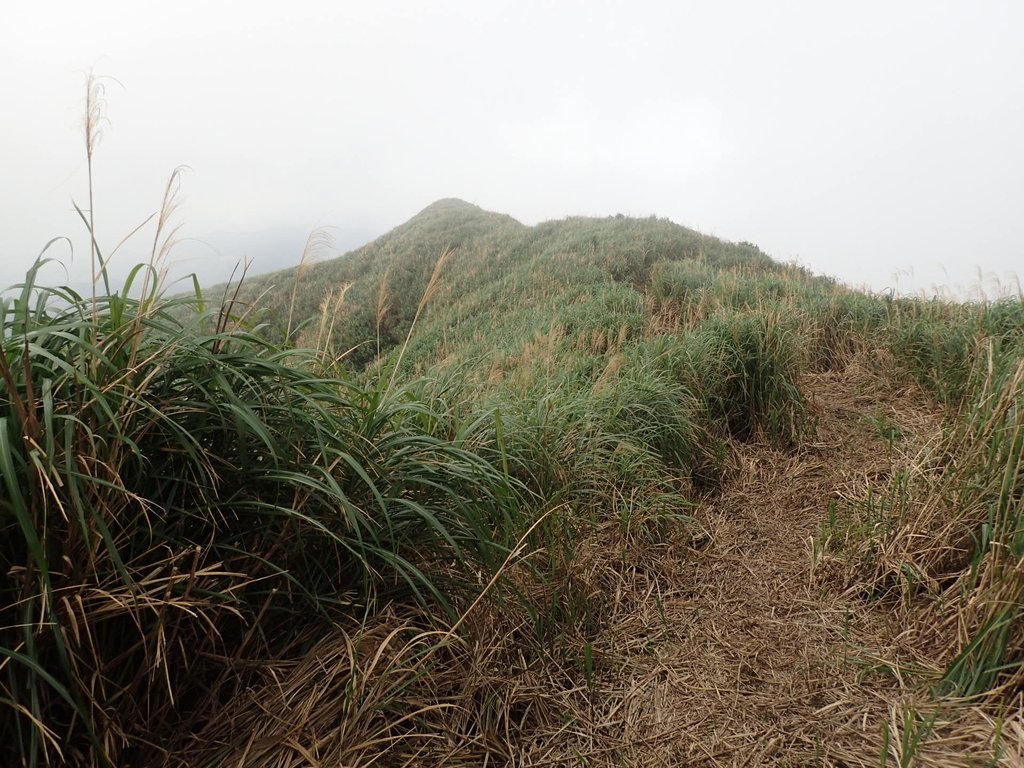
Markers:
{"x": 862, "y": 139}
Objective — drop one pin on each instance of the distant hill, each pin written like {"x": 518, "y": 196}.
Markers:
{"x": 501, "y": 282}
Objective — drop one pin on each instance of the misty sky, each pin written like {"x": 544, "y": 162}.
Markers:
{"x": 861, "y": 139}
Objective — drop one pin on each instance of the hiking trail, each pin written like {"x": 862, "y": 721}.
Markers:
{"x": 753, "y": 658}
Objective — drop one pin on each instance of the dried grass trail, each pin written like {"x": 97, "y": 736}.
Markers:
{"x": 756, "y": 659}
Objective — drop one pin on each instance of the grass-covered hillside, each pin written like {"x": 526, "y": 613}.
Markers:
{"x": 428, "y": 503}
{"x": 497, "y": 282}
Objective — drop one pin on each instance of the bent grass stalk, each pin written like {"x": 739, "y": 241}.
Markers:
{"x": 428, "y": 293}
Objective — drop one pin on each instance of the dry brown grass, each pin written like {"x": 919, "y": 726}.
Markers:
{"x": 752, "y": 657}
{"x": 736, "y": 642}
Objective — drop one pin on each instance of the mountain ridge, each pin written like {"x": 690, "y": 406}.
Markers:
{"x": 493, "y": 262}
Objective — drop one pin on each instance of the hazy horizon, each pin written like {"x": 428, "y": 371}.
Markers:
{"x": 878, "y": 144}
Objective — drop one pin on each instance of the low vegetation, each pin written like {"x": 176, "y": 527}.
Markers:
{"x": 391, "y": 497}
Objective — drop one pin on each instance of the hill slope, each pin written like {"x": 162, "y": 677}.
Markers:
{"x": 501, "y": 281}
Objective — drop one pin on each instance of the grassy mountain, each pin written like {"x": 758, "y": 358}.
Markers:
{"x": 500, "y": 280}
{"x": 424, "y": 503}
{"x": 406, "y": 255}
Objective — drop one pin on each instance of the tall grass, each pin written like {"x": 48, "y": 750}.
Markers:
{"x": 949, "y": 541}
{"x": 178, "y": 494}
{"x": 989, "y": 479}
{"x": 183, "y": 497}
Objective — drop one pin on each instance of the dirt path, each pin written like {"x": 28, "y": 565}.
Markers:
{"x": 754, "y": 659}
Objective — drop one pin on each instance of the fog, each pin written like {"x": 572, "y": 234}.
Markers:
{"x": 876, "y": 142}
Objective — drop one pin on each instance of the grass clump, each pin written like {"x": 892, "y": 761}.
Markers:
{"x": 752, "y": 373}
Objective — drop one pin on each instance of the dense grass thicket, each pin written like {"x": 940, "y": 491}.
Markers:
{"x": 180, "y": 496}
{"x": 192, "y": 494}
